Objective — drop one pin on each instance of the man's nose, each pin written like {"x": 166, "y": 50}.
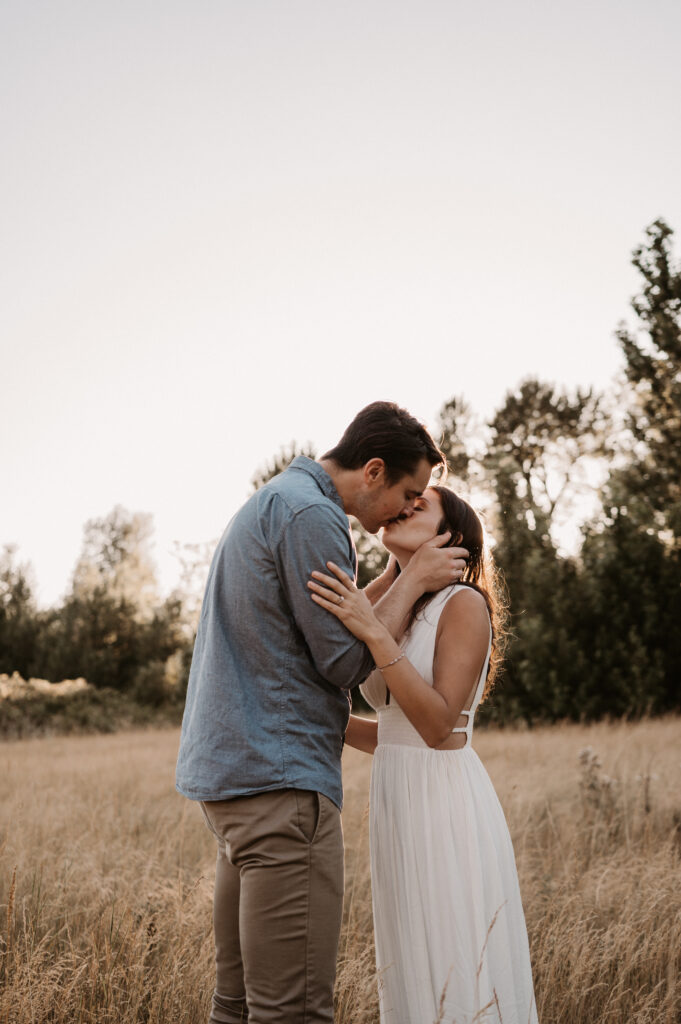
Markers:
{"x": 407, "y": 511}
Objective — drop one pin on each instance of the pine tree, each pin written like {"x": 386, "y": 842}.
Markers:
{"x": 650, "y": 487}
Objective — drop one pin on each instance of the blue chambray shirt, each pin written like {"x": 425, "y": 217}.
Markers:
{"x": 267, "y": 701}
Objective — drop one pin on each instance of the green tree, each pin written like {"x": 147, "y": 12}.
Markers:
{"x": 458, "y": 430}
{"x": 626, "y": 621}
{"x": 632, "y": 558}
{"x": 116, "y": 559}
{"x": 649, "y": 487}
{"x": 94, "y": 635}
{"x": 113, "y": 628}
{"x": 19, "y": 617}
{"x": 542, "y": 441}
{"x": 194, "y": 562}
{"x": 539, "y": 440}
{"x": 100, "y": 636}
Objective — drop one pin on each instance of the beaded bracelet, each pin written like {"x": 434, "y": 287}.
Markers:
{"x": 393, "y": 662}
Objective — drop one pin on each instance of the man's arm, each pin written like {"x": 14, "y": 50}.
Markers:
{"x": 309, "y": 539}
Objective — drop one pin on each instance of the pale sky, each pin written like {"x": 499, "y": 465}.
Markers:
{"x": 229, "y": 225}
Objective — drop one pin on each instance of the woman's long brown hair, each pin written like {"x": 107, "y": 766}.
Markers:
{"x": 480, "y": 573}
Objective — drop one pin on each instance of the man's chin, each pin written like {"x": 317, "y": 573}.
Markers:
{"x": 387, "y": 523}
{"x": 373, "y": 527}
{"x": 369, "y": 525}
{"x": 391, "y": 522}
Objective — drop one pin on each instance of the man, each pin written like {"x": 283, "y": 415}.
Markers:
{"x": 267, "y": 706}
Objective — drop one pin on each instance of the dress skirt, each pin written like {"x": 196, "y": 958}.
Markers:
{"x": 451, "y": 940}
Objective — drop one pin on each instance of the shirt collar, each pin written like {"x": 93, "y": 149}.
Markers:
{"x": 321, "y": 477}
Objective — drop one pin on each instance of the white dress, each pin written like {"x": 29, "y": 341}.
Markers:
{"x": 451, "y": 940}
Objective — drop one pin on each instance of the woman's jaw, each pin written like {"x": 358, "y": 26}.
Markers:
{"x": 403, "y": 536}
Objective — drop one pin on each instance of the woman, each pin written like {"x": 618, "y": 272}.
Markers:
{"x": 451, "y": 941}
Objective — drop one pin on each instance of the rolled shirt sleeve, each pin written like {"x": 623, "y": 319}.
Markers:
{"x": 314, "y": 536}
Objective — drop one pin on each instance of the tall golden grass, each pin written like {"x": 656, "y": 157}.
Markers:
{"x": 106, "y": 877}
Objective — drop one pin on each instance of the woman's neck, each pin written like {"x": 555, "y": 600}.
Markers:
{"x": 402, "y": 557}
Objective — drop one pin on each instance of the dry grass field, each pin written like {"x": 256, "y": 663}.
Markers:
{"x": 105, "y": 877}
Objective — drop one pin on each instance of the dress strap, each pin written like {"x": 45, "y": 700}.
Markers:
{"x": 467, "y": 727}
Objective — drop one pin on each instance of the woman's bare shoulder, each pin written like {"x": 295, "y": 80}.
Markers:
{"x": 465, "y": 607}
{"x": 469, "y": 596}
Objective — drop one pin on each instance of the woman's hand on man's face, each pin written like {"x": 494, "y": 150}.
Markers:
{"x": 435, "y": 566}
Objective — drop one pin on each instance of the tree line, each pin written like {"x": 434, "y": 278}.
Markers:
{"x": 594, "y": 610}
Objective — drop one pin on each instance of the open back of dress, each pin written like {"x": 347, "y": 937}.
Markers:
{"x": 419, "y": 647}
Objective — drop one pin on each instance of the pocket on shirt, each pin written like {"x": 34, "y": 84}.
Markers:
{"x": 309, "y": 812}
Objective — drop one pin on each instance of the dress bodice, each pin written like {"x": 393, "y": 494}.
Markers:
{"x": 418, "y": 645}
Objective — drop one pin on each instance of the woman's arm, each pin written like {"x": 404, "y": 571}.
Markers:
{"x": 362, "y": 734}
{"x": 460, "y": 650}
{"x": 432, "y": 567}
{"x": 382, "y": 584}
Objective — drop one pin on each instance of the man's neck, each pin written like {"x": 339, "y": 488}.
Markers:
{"x": 344, "y": 480}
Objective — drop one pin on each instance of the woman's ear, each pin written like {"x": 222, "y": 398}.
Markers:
{"x": 456, "y": 540}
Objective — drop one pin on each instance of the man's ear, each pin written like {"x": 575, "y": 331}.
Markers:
{"x": 374, "y": 471}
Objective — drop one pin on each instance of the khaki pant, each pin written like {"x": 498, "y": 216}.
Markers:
{"x": 277, "y": 907}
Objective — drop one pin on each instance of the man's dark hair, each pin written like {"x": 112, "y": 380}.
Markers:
{"x": 383, "y": 430}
